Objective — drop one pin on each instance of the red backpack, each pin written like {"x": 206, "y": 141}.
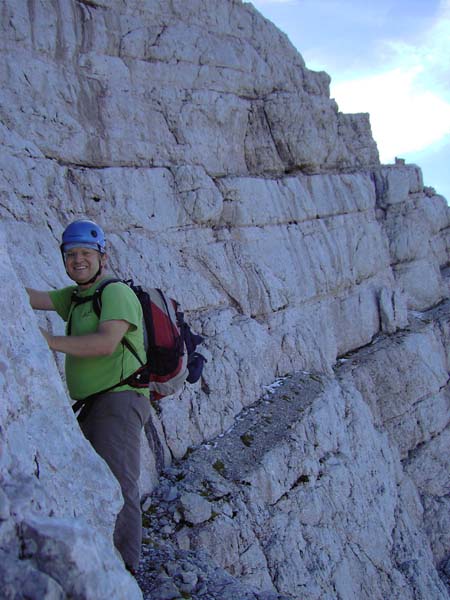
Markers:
{"x": 169, "y": 342}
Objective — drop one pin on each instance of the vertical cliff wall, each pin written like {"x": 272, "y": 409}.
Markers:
{"x": 222, "y": 171}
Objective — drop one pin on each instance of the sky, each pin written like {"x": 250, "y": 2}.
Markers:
{"x": 390, "y": 58}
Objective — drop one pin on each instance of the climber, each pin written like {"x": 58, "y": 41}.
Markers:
{"x": 96, "y": 361}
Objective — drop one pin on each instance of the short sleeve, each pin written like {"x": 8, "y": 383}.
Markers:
{"x": 119, "y": 302}
{"x": 62, "y": 301}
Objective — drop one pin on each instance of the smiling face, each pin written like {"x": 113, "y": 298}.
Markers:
{"x": 82, "y": 265}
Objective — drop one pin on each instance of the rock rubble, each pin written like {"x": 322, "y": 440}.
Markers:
{"x": 270, "y": 499}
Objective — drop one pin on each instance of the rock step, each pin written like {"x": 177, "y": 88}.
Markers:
{"x": 262, "y": 427}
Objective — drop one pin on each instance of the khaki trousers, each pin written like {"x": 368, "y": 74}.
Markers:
{"x": 113, "y": 426}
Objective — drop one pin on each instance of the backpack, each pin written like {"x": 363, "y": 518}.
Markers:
{"x": 168, "y": 340}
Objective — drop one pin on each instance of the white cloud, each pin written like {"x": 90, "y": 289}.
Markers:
{"x": 258, "y": 3}
{"x": 432, "y": 53}
{"x": 409, "y": 102}
{"x": 404, "y": 118}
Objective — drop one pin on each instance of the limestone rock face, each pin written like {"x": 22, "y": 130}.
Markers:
{"x": 307, "y": 497}
{"x": 56, "y": 520}
{"x": 221, "y": 171}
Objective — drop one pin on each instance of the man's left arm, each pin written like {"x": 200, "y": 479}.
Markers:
{"x": 101, "y": 343}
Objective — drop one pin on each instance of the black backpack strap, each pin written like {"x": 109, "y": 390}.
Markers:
{"x": 76, "y": 301}
{"x": 144, "y": 299}
{"x": 97, "y": 306}
{"x": 97, "y": 297}
{"x": 87, "y": 403}
{"x": 84, "y": 406}
{"x": 96, "y": 301}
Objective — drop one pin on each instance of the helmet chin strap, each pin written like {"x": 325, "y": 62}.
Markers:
{"x": 99, "y": 272}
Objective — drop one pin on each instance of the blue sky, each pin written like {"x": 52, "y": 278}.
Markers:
{"x": 390, "y": 58}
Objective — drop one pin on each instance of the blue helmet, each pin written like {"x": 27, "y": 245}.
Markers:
{"x": 85, "y": 234}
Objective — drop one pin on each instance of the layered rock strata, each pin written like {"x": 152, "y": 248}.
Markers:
{"x": 222, "y": 171}
{"x": 56, "y": 520}
{"x": 304, "y": 495}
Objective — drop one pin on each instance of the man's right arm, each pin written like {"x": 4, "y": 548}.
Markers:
{"x": 40, "y": 300}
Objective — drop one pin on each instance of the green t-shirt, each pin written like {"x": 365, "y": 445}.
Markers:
{"x": 87, "y": 376}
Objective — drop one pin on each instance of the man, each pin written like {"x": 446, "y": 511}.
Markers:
{"x": 97, "y": 360}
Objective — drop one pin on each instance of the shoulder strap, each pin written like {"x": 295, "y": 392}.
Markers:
{"x": 97, "y": 306}
{"x": 75, "y": 301}
{"x": 97, "y": 297}
{"x": 146, "y": 303}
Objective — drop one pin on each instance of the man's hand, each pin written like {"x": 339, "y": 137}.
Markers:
{"x": 101, "y": 343}
{"x": 47, "y": 335}
{"x": 40, "y": 300}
